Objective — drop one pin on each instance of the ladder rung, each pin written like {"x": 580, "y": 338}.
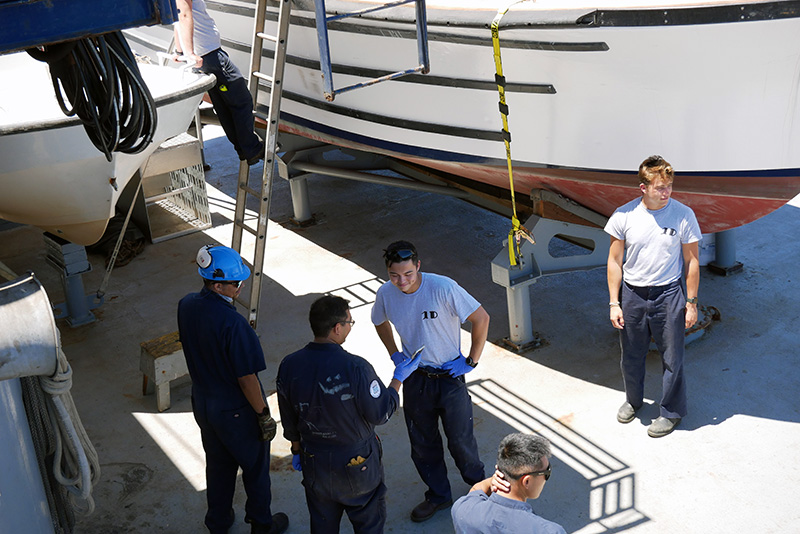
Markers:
{"x": 268, "y": 37}
{"x": 251, "y": 191}
{"x": 262, "y": 76}
{"x": 242, "y": 225}
{"x": 261, "y": 115}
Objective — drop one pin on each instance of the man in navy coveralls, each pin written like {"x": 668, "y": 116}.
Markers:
{"x": 224, "y": 355}
{"x": 330, "y": 403}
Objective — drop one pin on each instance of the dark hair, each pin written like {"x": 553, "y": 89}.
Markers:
{"x": 400, "y": 251}
{"x": 521, "y": 453}
{"x": 325, "y": 313}
{"x": 654, "y": 168}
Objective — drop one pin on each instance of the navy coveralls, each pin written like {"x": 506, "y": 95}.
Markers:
{"x": 330, "y": 401}
{"x": 220, "y": 347}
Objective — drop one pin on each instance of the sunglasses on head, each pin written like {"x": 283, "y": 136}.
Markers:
{"x": 401, "y": 255}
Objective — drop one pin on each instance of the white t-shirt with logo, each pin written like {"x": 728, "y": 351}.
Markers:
{"x": 430, "y": 316}
{"x": 653, "y": 240}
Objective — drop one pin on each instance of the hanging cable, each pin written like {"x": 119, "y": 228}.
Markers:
{"x": 517, "y": 231}
{"x": 98, "y": 80}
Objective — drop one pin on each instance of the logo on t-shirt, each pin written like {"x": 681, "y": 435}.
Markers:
{"x": 375, "y": 389}
{"x": 669, "y": 231}
{"x": 429, "y": 315}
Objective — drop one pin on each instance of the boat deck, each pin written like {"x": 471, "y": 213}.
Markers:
{"x": 732, "y": 466}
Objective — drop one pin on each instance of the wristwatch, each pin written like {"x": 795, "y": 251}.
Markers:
{"x": 692, "y": 300}
{"x": 471, "y": 363}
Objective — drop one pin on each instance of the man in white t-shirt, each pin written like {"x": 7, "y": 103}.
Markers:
{"x": 427, "y": 310}
{"x": 197, "y": 37}
{"x": 657, "y": 237}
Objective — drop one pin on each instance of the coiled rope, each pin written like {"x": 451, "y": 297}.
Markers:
{"x": 100, "y": 80}
{"x": 75, "y": 465}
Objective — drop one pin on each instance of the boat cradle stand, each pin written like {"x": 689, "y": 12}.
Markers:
{"x": 536, "y": 260}
{"x": 71, "y": 262}
{"x": 725, "y": 263}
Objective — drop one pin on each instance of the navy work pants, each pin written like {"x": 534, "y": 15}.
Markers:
{"x": 425, "y": 400}
{"x": 334, "y": 487}
{"x": 232, "y": 103}
{"x": 230, "y": 439}
{"x": 658, "y": 312}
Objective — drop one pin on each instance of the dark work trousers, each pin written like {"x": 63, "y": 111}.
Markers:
{"x": 333, "y": 487}
{"x": 427, "y": 398}
{"x": 232, "y": 103}
{"x": 230, "y": 439}
{"x": 658, "y": 312}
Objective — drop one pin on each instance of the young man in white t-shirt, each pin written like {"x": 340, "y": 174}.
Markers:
{"x": 657, "y": 237}
{"x": 197, "y": 36}
{"x": 427, "y": 310}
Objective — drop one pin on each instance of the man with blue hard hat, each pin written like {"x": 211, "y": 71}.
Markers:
{"x": 224, "y": 355}
{"x": 330, "y": 402}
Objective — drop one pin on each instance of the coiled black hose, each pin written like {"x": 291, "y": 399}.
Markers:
{"x": 99, "y": 78}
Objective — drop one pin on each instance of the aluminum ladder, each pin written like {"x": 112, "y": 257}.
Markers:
{"x": 424, "y": 64}
{"x": 272, "y": 118}
{"x": 262, "y": 193}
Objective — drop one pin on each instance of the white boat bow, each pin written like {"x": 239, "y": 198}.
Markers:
{"x": 51, "y": 175}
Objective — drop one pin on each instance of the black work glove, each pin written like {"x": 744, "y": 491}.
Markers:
{"x": 267, "y": 425}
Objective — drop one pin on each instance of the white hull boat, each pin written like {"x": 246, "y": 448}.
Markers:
{"x": 51, "y": 175}
{"x": 592, "y": 89}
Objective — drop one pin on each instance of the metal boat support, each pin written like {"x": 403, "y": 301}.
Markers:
{"x": 725, "y": 254}
{"x": 70, "y": 261}
{"x": 537, "y": 260}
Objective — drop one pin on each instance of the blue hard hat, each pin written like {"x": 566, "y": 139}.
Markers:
{"x": 216, "y": 262}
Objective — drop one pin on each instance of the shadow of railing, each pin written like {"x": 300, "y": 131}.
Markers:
{"x": 603, "y": 482}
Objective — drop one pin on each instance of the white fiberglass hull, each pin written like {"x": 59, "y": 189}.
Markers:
{"x": 592, "y": 88}
{"x": 51, "y": 175}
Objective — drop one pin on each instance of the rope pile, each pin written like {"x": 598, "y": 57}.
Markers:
{"x": 58, "y": 435}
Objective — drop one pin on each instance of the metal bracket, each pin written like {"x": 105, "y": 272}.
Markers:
{"x": 536, "y": 260}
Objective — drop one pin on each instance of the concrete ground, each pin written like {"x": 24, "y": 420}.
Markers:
{"x": 733, "y": 465}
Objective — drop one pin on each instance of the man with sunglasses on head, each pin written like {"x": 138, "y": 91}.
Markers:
{"x": 224, "y": 355}
{"x": 523, "y": 460}
{"x": 330, "y": 403}
{"x": 428, "y": 310}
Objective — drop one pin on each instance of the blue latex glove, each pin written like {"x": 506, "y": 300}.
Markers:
{"x": 457, "y": 367}
{"x": 404, "y": 369}
{"x": 398, "y": 357}
{"x": 296, "y": 462}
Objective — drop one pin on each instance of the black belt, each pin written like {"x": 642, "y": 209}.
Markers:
{"x": 432, "y": 372}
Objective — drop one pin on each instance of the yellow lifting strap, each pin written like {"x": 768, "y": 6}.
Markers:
{"x": 517, "y": 231}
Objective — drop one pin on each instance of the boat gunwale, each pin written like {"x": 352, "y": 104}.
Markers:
{"x": 201, "y": 85}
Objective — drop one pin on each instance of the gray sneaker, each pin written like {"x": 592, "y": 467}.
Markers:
{"x": 662, "y": 426}
{"x": 626, "y": 413}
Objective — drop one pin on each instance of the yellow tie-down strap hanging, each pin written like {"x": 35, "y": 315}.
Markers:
{"x": 517, "y": 231}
